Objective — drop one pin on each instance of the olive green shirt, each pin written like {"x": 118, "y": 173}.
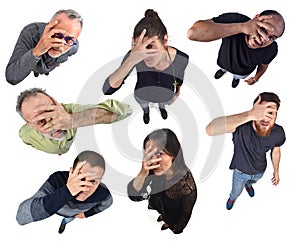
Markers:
{"x": 37, "y": 140}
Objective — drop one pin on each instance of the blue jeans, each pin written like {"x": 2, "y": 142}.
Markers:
{"x": 236, "y": 76}
{"x": 240, "y": 180}
{"x": 67, "y": 220}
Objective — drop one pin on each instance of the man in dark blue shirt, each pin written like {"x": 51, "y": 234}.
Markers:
{"x": 78, "y": 193}
{"x": 247, "y": 43}
{"x": 254, "y": 134}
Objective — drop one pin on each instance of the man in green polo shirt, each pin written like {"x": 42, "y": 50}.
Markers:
{"x": 51, "y": 127}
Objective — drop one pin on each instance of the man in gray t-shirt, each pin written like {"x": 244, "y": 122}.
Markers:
{"x": 254, "y": 134}
{"x": 41, "y": 47}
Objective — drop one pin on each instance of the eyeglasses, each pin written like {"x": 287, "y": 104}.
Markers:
{"x": 69, "y": 40}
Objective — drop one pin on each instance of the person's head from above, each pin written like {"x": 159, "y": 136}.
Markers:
{"x": 267, "y": 36}
{"x": 167, "y": 147}
{"x": 92, "y": 168}
{"x": 264, "y": 127}
{"x": 153, "y": 26}
{"x": 28, "y": 104}
{"x": 71, "y": 23}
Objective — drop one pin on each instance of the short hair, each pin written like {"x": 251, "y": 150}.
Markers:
{"x": 274, "y": 12}
{"x": 92, "y": 157}
{"x": 26, "y": 94}
{"x": 72, "y": 14}
{"x": 268, "y": 97}
{"x": 153, "y": 25}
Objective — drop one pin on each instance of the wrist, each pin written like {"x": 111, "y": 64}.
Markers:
{"x": 35, "y": 54}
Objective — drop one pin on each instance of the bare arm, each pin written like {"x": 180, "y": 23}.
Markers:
{"x": 208, "y": 30}
{"x": 228, "y": 124}
{"x": 275, "y": 156}
{"x": 261, "y": 69}
{"x": 138, "y": 53}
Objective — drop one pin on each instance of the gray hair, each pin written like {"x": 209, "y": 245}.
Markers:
{"x": 26, "y": 94}
{"x": 72, "y": 14}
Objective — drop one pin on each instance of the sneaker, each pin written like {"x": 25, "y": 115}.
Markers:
{"x": 250, "y": 190}
{"x": 163, "y": 113}
{"x": 229, "y": 204}
{"x": 146, "y": 118}
{"x": 235, "y": 83}
{"x": 36, "y": 74}
{"x": 219, "y": 74}
{"x": 61, "y": 228}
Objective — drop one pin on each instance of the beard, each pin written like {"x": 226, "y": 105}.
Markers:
{"x": 262, "y": 132}
{"x": 61, "y": 135}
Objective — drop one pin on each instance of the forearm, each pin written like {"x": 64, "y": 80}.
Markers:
{"x": 227, "y": 124}
{"x": 139, "y": 181}
{"x": 20, "y": 66}
{"x": 261, "y": 69}
{"x": 275, "y": 157}
{"x": 92, "y": 116}
{"x": 177, "y": 90}
{"x": 116, "y": 78}
{"x": 207, "y": 30}
{"x": 41, "y": 206}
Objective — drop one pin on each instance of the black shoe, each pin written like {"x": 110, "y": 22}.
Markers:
{"x": 160, "y": 218}
{"x": 219, "y": 74}
{"x": 146, "y": 118}
{"x": 61, "y": 228}
{"x": 46, "y": 74}
{"x": 163, "y": 113}
{"x": 36, "y": 74}
{"x": 235, "y": 83}
{"x": 164, "y": 227}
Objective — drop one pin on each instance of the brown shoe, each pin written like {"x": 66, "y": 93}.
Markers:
{"x": 164, "y": 227}
{"x": 160, "y": 218}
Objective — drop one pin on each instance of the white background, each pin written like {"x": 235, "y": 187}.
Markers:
{"x": 270, "y": 218}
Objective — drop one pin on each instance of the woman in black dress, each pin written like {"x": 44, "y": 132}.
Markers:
{"x": 165, "y": 181}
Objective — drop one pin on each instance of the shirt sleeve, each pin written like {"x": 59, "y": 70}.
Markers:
{"x": 47, "y": 201}
{"x": 105, "y": 204}
{"x": 112, "y": 105}
{"x": 141, "y": 195}
{"x": 22, "y": 60}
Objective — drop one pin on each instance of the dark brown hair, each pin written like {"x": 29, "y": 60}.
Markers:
{"x": 268, "y": 97}
{"x": 153, "y": 25}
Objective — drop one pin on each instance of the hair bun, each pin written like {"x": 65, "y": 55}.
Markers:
{"x": 150, "y": 13}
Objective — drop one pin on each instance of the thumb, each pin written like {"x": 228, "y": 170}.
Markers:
{"x": 258, "y": 100}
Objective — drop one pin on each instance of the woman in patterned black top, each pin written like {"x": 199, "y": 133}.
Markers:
{"x": 165, "y": 181}
{"x": 160, "y": 68}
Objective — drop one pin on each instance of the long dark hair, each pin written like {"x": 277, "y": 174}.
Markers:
{"x": 167, "y": 141}
{"x": 153, "y": 24}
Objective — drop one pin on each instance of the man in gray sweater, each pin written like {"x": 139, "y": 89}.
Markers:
{"x": 78, "y": 193}
{"x": 41, "y": 47}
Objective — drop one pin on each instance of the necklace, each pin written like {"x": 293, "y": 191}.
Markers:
{"x": 175, "y": 83}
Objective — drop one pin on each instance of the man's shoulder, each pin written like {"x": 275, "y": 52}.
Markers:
{"x": 231, "y": 17}
{"x": 34, "y": 26}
